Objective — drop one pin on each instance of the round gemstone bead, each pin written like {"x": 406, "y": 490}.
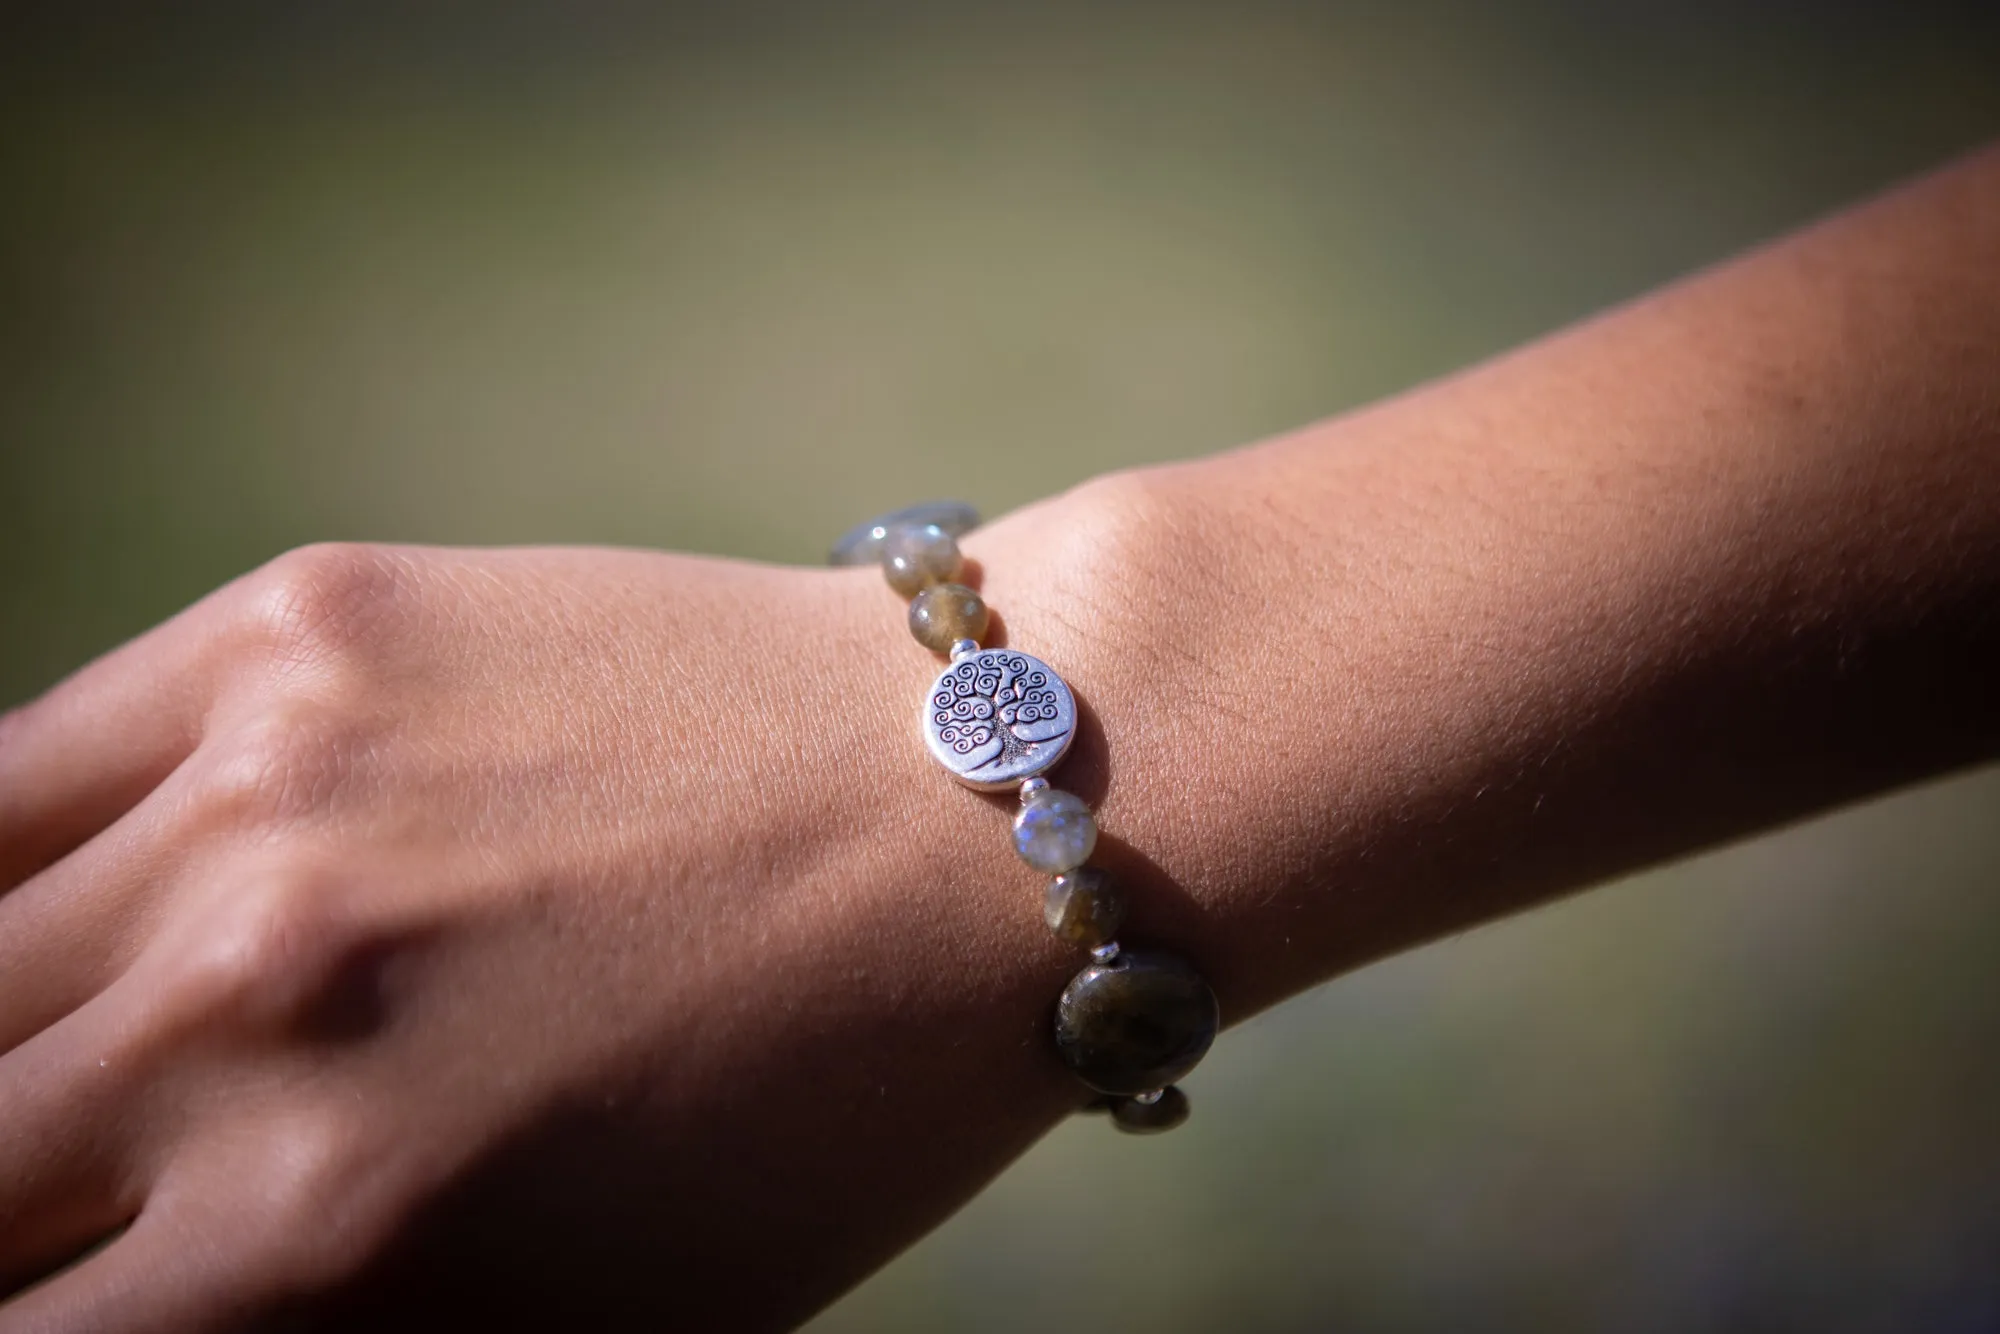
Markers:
{"x": 1083, "y": 907}
{"x": 862, "y": 544}
{"x": 916, "y": 557}
{"x": 1150, "y": 1118}
{"x": 1055, "y": 832}
{"x": 1137, "y": 1023}
{"x": 945, "y": 612}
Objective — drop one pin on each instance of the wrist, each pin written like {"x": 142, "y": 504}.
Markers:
{"x": 1123, "y": 585}
{"x": 999, "y": 719}
{"x": 1276, "y": 764}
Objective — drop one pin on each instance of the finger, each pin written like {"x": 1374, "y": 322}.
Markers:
{"x": 199, "y": 1258}
{"x": 70, "y": 930}
{"x": 164, "y": 1275}
{"x": 83, "y": 754}
{"x": 66, "y": 1177}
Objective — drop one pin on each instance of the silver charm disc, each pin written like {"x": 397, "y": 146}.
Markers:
{"x": 998, "y": 716}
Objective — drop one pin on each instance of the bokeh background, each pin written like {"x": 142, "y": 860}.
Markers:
{"x": 728, "y": 281}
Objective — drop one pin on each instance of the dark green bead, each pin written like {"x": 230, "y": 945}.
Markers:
{"x": 1083, "y": 907}
{"x": 1137, "y": 1023}
{"x": 1150, "y": 1118}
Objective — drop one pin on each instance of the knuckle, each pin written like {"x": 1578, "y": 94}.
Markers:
{"x": 308, "y": 1182}
{"x": 26, "y": 732}
{"x": 281, "y": 766}
{"x": 259, "y": 957}
{"x": 319, "y": 601}
{"x": 13, "y": 794}
{"x": 313, "y": 1220}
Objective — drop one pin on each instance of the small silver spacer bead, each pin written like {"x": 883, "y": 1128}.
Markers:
{"x": 1105, "y": 953}
{"x": 961, "y": 647}
{"x": 1032, "y": 788}
{"x": 1148, "y": 1099}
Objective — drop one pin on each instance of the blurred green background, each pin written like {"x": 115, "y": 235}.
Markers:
{"x": 730, "y": 281}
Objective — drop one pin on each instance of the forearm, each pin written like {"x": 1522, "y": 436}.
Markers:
{"x": 1710, "y": 562}
{"x": 1713, "y": 561}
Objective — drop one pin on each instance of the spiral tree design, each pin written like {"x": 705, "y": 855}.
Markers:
{"x": 996, "y": 711}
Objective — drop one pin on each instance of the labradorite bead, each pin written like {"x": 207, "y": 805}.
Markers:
{"x": 1150, "y": 1118}
{"x": 915, "y": 558}
{"x": 944, "y": 612}
{"x": 1137, "y": 1023}
{"x": 862, "y": 544}
{"x": 1055, "y": 832}
{"x": 1083, "y": 907}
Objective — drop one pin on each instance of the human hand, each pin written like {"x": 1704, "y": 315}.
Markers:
{"x": 580, "y": 932}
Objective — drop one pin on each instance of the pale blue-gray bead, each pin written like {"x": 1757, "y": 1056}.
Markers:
{"x": 862, "y": 544}
{"x": 914, "y": 558}
{"x": 1055, "y": 832}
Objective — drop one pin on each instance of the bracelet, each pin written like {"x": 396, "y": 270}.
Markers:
{"x": 1132, "y": 1021}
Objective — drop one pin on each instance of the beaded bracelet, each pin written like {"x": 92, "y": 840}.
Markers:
{"x": 1133, "y": 1021}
